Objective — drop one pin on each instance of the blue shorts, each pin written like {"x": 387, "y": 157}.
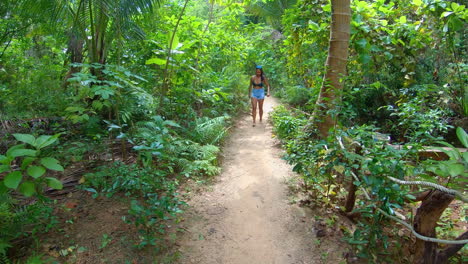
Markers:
{"x": 258, "y": 94}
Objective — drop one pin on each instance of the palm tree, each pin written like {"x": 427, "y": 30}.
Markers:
{"x": 332, "y": 86}
{"x": 95, "y": 22}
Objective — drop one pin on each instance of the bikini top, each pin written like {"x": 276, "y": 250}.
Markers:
{"x": 257, "y": 84}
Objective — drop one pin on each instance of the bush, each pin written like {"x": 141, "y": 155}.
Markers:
{"x": 286, "y": 126}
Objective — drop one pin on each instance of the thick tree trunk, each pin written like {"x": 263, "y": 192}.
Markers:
{"x": 425, "y": 223}
{"x": 351, "y": 199}
{"x": 75, "y": 49}
{"x": 330, "y": 93}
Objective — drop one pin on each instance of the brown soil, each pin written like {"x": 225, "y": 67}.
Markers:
{"x": 246, "y": 216}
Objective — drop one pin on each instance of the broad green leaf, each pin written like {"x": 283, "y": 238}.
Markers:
{"x": 54, "y": 183}
{"x": 417, "y": 2}
{"x": 403, "y": 19}
{"x": 36, "y": 171}
{"x": 313, "y": 26}
{"x": 23, "y": 152}
{"x": 27, "y": 188}
{"x": 465, "y": 156}
{"x": 25, "y": 138}
{"x": 26, "y": 162}
{"x": 410, "y": 197}
{"x": 104, "y": 91}
{"x": 4, "y": 159}
{"x": 13, "y": 179}
{"x": 4, "y": 168}
{"x": 175, "y": 41}
{"x": 446, "y": 14}
{"x": 455, "y": 169}
{"x": 45, "y": 140}
{"x": 462, "y": 136}
{"x": 171, "y": 123}
{"x": 157, "y": 61}
{"x": 51, "y": 164}
{"x": 11, "y": 149}
{"x": 75, "y": 109}
{"x": 455, "y": 7}
{"x": 455, "y": 23}
{"x": 388, "y": 55}
{"x": 453, "y": 152}
{"x": 3, "y": 188}
{"x": 364, "y": 58}
{"x": 362, "y": 43}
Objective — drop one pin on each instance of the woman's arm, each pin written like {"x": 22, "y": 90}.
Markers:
{"x": 268, "y": 86}
{"x": 250, "y": 87}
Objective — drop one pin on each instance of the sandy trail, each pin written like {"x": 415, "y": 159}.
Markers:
{"x": 245, "y": 217}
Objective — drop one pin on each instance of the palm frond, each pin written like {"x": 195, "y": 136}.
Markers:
{"x": 271, "y": 11}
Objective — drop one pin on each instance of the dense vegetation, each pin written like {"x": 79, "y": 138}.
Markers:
{"x": 140, "y": 94}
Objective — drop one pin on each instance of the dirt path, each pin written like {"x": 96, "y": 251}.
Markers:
{"x": 246, "y": 217}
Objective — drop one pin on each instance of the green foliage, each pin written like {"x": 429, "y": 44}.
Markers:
{"x": 115, "y": 94}
{"x": 298, "y": 96}
{"x": 452, "y": 171}
{"x": 22, "y": 222}
{"x": 421, "y": 113}
{"x": 210, "y": 130}
{"x": 150, "y": 216}
{"x": 152, "y": 138}
{"x": 160, "y": 202}
{"x": 130, "y": 180}
{"x": 28, "y": 178}
{"x": 286, "y": 126}
{"x": 193, "y": 159}
{"x": 326, "y": 169}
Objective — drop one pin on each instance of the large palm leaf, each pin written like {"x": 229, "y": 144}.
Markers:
{"x": 270, "y": 11}
{"x": 98, "y": 22}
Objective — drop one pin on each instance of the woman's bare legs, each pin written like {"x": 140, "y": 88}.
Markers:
{"x": 254, "y": 109}
{"x": 260, "y": 108}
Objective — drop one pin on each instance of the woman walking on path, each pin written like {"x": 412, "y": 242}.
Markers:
{"x": 257, "y": 92}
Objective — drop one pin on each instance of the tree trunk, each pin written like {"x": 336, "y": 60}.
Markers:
{"x": 75, "y": 49}
{"x": 330, "y": 93}
{"x": 351, "y": 199}
{"x": 425, "y": 223}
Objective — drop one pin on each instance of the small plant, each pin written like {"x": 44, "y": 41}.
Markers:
{"x": 286, "y": 125}
{"x": 454, "y": 170}
{"x": 25, "y": 167}
{"x": 150, "y": 217}
{"x": 106, "y": 239}
{"x": 22, "y": 222}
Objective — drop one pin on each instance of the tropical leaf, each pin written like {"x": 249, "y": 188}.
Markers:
{"x": 26, "y": 138}
{"x": 462, "y": 136}
{"x": 54, "y": 183}
{"x": 27, "y": 188}
{"x": 13, "y": 179}
{"x": 51, "y": 164}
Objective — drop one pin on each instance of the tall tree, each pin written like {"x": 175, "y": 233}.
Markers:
{"x": 329, "y": 97}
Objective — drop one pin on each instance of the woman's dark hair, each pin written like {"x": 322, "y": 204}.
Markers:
{"x": 262, "y": 76}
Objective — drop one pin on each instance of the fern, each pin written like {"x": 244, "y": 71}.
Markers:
{"x": 3, "y": 257}
{"x": 210, "y": 131}
{"x": 193, "y": 159}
